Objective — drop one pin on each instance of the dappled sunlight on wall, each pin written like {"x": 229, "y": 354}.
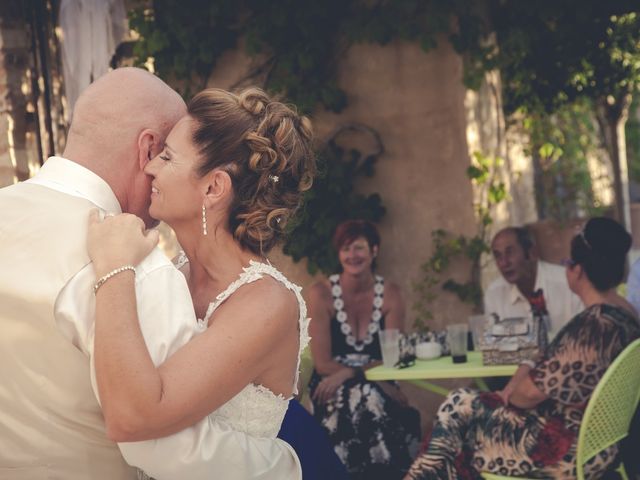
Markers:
{"x": 601, "y": 173}
{"x": 486, "y": 133}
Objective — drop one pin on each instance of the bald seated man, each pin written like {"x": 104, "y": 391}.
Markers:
{"x": 51, "y": 425}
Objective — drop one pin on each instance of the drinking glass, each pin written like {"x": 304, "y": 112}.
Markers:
{"x": 390, "y": 346}
{"x": 476, "y": 325}
{"x": 457, "y": 336}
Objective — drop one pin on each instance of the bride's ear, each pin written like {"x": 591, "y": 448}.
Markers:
{"x": 217, "y": 187}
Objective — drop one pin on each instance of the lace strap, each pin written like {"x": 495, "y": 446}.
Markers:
{"x": 253, "y": 272}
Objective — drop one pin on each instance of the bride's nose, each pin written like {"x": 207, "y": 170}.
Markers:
{"x": 149, "y": 168}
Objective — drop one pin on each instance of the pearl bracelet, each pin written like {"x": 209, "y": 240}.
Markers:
{"x": 112, "y": 273}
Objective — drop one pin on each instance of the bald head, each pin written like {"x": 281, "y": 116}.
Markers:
{"x": 119, "y": 123}
{"x": 114, "y": 109}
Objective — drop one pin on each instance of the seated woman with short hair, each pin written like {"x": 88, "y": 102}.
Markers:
{"x": 373, "y": 429}
{"x": 531, "y": 428}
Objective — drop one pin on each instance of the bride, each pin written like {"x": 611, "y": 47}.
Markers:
{"x": 230, "y": 176}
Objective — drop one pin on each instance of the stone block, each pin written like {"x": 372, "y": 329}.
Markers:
{"x": 12, "y": 38}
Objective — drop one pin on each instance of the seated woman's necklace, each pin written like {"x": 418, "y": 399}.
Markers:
{"x": 341, "y": 314}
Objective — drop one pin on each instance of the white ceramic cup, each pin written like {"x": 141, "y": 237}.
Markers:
{"x": 428, "y": 350}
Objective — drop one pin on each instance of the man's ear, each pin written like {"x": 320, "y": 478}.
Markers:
{"x": 217, "y": 187}
{"x": 150, "y": 144}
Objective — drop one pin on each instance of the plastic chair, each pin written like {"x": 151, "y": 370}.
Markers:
{"x": 609, "y": 412}
{"x": 306, "y": 370}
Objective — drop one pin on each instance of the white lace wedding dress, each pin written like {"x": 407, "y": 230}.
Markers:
{"x": 255, "y": 410}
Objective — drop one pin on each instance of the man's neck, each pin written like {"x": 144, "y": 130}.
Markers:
{"x": 99, "y": 164}
{"x": 527, "y": 285}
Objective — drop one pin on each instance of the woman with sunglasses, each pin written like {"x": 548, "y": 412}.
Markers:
{"x": 531, "y": 428}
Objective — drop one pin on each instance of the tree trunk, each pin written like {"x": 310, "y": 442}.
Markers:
{"x": 612, "y": 117}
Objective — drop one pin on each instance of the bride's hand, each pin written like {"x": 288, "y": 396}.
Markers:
{"x": 118, "y": 240}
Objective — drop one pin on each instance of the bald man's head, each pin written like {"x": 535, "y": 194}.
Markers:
{"x": 119, "y": 123}
{"x": 122, "y": 103}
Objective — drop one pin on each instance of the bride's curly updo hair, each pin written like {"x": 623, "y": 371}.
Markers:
{"x": 265, "y": 147}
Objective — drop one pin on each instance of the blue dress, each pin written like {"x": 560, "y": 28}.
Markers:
{"x": 317, "y": 458}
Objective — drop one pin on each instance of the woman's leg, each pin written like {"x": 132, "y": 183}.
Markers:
{"x": 447, "y": 456}
{"x": 371, "y": 434}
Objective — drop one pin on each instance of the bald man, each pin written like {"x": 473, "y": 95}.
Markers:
{"x": 51, "y": 425}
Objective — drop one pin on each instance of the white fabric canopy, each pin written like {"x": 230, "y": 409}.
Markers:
{"x": 91, "y": 32}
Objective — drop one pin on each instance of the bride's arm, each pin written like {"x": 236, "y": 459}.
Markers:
{"x": 141, "y": 401}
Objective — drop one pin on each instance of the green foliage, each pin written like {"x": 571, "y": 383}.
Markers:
{"x": 184, "y": 38}
{"x": 551, "y": 53}
{"x": 561, "y": 145}
{"x": 296, "y": 45}
{"x": 449, "y": 248}
{"x": 331, "y": 201}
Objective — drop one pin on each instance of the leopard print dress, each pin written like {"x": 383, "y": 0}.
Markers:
{"x": 475, "y": 432}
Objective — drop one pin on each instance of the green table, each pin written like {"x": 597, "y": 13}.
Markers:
{"x": 442, "y": 368}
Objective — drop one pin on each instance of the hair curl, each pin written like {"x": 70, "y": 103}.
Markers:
{"x": 265, "y": 147}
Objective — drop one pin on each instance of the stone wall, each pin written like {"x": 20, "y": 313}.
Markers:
{"x": 32, "y": 125}
{"x": 16, "y": 148}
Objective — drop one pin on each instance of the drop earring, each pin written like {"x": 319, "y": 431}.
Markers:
{"x": 204, "y": 220}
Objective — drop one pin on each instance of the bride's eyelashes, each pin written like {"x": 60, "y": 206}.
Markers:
{"x": 164, "y": 156}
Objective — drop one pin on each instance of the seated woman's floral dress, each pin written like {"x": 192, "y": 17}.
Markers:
{"x": 475, "y": 432}
{"x": 373, "y": 435}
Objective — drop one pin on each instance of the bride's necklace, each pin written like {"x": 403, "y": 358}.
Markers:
{"x": 341, "y": 314}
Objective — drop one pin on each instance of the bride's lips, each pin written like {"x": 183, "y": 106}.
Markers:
{"x": 154, "y": 190}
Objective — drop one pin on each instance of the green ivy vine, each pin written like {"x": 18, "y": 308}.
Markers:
{"x": 296, "y": 45}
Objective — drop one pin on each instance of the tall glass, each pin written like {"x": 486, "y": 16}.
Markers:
{"x": 457, "y": 335}
{"x": 390, "y": 346}
{"x": 477, "y": 325}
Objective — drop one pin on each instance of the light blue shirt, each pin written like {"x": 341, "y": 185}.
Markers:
{"x": 633, "y": 285}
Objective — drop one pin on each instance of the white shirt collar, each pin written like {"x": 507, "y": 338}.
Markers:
{"x": 71, "y": 178}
